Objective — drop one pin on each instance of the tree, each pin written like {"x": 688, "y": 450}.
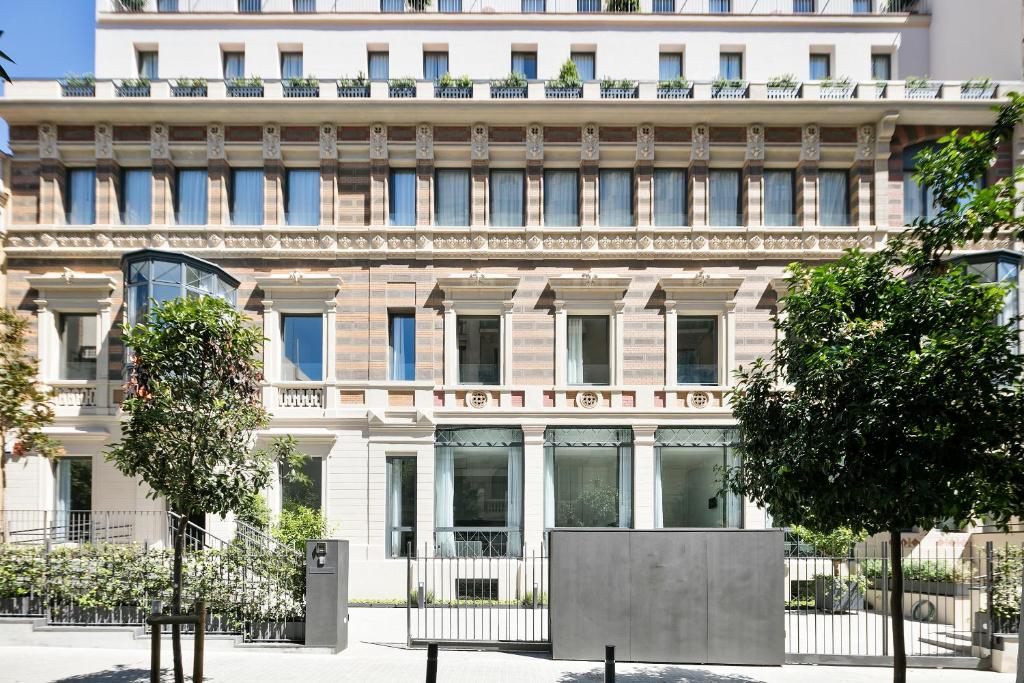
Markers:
{"x": 24, "y": 403}
{"x": 894, "y": 399}
{"x": 834, "y": 544}
{"x": 193, "y": 402}
{"x": 4, "y": 58}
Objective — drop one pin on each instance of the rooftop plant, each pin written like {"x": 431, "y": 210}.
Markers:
{"x": 917, "y": 82}
{"x": 79, "y": 80}
{"x": 622, "y": 6}
{"x": 977, "y": 83}
{"x": 674, "y": 84}
{"x": 513, "y": 80}
{"x": 568, "y": 76}
{"x": 404, "y": 82}
{"x": 307, "y": 82}
{"x": 723, "y": 82}
{"x": 837, "y": 82}
{"x": 140, "y": 82}
{"x": 611, "y": 83}
{"x": 133, "y": 5}
{"x": 243, "y": 82}
{"x": 783, "y": 81}
{"x": 184, "y": 82}
{"x": 448, "y": 81}
{"x": 360, "y": 81}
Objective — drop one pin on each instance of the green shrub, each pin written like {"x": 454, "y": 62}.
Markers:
{"x": 448, "y": 81}
{"x": 920, "y": 570}
{"x": 140, "y": 82}
{"x": 79, "y": 80}
{"x": 360, "y": 81}
{"x": 783, "y": 81}
{"x": 568, "y": 76}
{"x": 1007, "y": 568}
{"x": 243, "y": 82}
{"x": 299, "y": 524}
{"x": 428, "y": 597}
{"x": 917, "y": 82}
{"x": 673, "y": 84}
{"x": 513, "y": 80}
{"x": 977, "y": 83}
{"x": 527, "y": 599}
{"x": 22, "y": 571}
{"x": 190, "y": 83}
{"x": 622, "y": 6}
{"x": 838, "y": 82}
{"x": 722, "y": 82}
{"x": 841, "y": 584}
{"x": 624, "y": 84}
{"x": 307, "y": 82}
{"x": 406, "y": 82}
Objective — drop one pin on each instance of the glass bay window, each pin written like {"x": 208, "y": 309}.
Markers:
{"x": 588, "y": 477}
{"x": 688, "y": 479}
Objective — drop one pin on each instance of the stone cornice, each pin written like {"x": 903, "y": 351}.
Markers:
{"x": 70, "y": 281}
{"x": 700, "y": 286}
{"x": 589, "y": 285}
{"x": 297, "y": 281}
{"x": 478, "y": 285}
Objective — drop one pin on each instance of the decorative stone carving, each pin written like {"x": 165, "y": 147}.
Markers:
{"x": 479, "y": 146}
{"x": 701, "y": 143}
{"x": 866, "y": 143}
{"x": 424, "y": 141}
{"x": 588, "y": 399}
{"x": 378, "y": 141}
{"x": 535, "y": 142}
{"x": 215, "y": 141}
{"x": 645, "y": 142}
{"x": 48, "y": 141}
{"x": 328, "y": 141}
{"x": 590, "y": 149}
{"x": 698, "y": 399}
{"x": 477, "y": 399}
{"x": 810, "y": 145}
{"x": 755, "y": 142}
{"x": 104, "y": 141}
{"x": 159, "y": 143}
{"x": 271, "y": 142}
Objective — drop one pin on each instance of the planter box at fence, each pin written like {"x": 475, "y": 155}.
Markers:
{"x": 924, "y": 92}
{"x": 121, "y": 615}
{"x": 837, "y": 596}
{"x": 508, "y": 92}
{"x": 784, "y": 93}
{"x": 301, "y": 91}
{"x": 290, "y": 631}
{"x": 188, "y": 91}
{"x": 245, "y": 91}
{"x": 675, "y": 93}
{"x": 132, "y": 90}
{"x": 555, "y": 92}
{"x": 844, "y": 92}
{"x": 454, "y": 92}
{"x": 28, "y": 605}
{"x": 728, "y": 92}
{"x": 985, "y": 93}
{"x": 939, "y": 588}
{"x": 78, "y": 90}
{"x": 396, "y": 91}
{"x": 353, "y": 91}
{"x": 618, "y": 93}
{"x": 943, "y": 609}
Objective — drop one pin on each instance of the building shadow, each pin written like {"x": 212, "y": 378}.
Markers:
{"x": 118, "y": 674}
{"x": 657, "y": 674}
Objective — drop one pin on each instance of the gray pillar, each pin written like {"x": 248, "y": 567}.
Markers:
{"x": 327, "y": 594}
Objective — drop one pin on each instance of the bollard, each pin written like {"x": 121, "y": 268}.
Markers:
{"x": 421, "y": 596}
{"x": 199, "y": 650}
{"x": 154, "y": 645}
{"x": 609, "y": 664}
{"x": 535, "y": 596}
{"x": 432, "y": 663}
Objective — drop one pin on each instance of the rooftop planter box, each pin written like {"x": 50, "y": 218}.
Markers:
{"x": 618, "y": 90}
{"x": 193, "y": 88}
{"x": 453, "y": 92}
{"x": 402, "y": 87}
{"x": 138, "y": 88}
{"x": 305, "y": 90}
{"x": 130, "y": 5}
{"x": 921, "y": 89}
{"x": 729, "y": 90}
{"x": 558, "y": 91}
{"x": 982, "y": 89}
{"x": 837, "y": 90}
{"x": 783, "y": 88}
{"x": 78, "y": 87}
{"x": 508, "y": 92}
{"x": 354, "y": 90}
{"x": 245, "y": 87}
{"x": 675, "y": 89}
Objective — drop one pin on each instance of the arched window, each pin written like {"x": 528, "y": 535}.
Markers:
{"x": 918, "y": 201}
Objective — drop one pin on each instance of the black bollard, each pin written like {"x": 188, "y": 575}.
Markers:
{"x": 609, "y": 664}
{"x": 432, "y": 663}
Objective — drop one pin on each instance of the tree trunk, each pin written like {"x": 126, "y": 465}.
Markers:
{"x": 899, "y": 647}
{"x": 1020, "y": 634}
{"x": 179, "y": 551}
{"x": 3, "y": 488}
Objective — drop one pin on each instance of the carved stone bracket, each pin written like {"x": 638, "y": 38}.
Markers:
{"x": 810, "y": 143}
{"x": 645, "y": 142}
{"x": 159, "y": 142}
{"x": 378, "y": 141}
{"x": 272, "y": 142}
{"x": 755, "y": 142}
{"x": 590, "y": 149}
{"x": 535, "y": 142}
{"x": 479, "y": 149}
{"x": 328, "y": 141}
{"x": 866, "y": 143}
{"x": 215, "y": 141}
{"x": 700, "y": 149}
{"x": 424, "y": 141}
{"x": 104, "y": 141}
{"x": 48, "y": 141}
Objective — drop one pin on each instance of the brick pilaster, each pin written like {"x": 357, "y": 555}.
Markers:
{"x": 51, "y": 191}
{"x": 588, "y": 193}
{"x": 534, "y": 193}
{"x": 807, "y": 193}
{"x": 479, "y": 189}
{"x": 861, "y": 183}
{"x": 217, "y": 198}
{"x": 424, "y": 191}
{"x": 328, "y": 191}
{"x": 698, "y": 181}
{"x": 108, "y": 189}
{"x": 163, "y": 192}
{"x": 644, "y": 193}
{"x": 273, "y": 192}
{"x": 753, "y": 193}
{"x": 378, "y": 191}
{"x": 354, "y": 194}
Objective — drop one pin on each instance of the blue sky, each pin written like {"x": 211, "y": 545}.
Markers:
{"x": 47, "y": 39}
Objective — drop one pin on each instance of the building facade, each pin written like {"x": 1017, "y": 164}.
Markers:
{"x": 492, "y": 305}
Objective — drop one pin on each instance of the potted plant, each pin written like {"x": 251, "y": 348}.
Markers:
{"x": 880, "y": 89}
{"x": 302, "y": 87}
{"x": 841, "y": 88}
{"x": 784, "y": 87}
{"x": 354, "y": 87}
{"x": 977, "y": 89}
{"x": 675, "y": 89}
{"x": 835, "y": 592}
{"x": 728, "y": 88}
{"x": 75, "y": 85}
{"x": 418, "y": 5}
{"x": 245, "y": 87}
{"x": 189, "y": 87}
{"x": 567, "y": 85}
{"x": 402, "y": 87}
{"x": 622, "y": 6}
{"x": 612, "y": 89}
{"x": 928, "y": 577}
{"x": 133, "y": 87}
{"x": 512, "y": 86}
{"x": 922, "y": 89}
{"x": 131, "y": 5}
{"x": 449, "y": 87}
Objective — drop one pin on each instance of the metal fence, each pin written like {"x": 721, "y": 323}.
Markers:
{"x": 478, "y": 599}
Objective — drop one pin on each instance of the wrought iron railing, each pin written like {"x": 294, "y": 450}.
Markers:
{"x": 478, "y": 541}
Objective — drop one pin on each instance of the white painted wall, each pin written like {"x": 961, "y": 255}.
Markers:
{"x": 973, "y": 38}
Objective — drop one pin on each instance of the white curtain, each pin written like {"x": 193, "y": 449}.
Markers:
{"x": 561, "y": 198}
{"x": 584, "y": 61}
{"x": 234, "y": 65}
{"x": 514, "y": 508}
{"x": 452, "y": 197}
{"x": 670, "y": 196}
{"x": 303, "y": 196}
{"x": 778, "y": 198}
{"x": 616, "y": 198}
{"x": 63, "y": 494}
{"x": 395, "y": 507}
{"x": 136, "y": 196}
{"x": 435, "y": 65}
{"x": 507, "y": 198}
{"x": 626, "y": 486}
{"x": 574, "y": 351}
{"x": 670, "y": 64}
{"x": 730, "y": 65}
{"x": 525, "y": 63}
{"x": 191, "y": 195}
{"x": 444, "y": 499}
{"x": 148, "y": 65}
{"x": 291, "y": 65}
{"x": 725, "y": 197}
{"x": 833, "y": 198}
{"x": 659, "y": 513}
{"x": 549, "y": 487}
{"x": 402, "y": 197}
{"x": 82, "y": 196}
{"x": 247, "y": 196}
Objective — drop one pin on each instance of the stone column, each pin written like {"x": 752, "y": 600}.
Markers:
{"x": 533, "y": 487}
{"x": 884, "y": 131}
{"x": 108, "y": 177}
{"x": 505, "y": 370}
{"x": 51, "y": 177}
{"x": 671, "y": 323}
{"x": 330, "y": 346}
{"x": 700, "y": 155}
{"x": 271, "y": 352}
{"x": 590, "y": 153}
{"x": 378, "y": 174}
{"x": 753, "y": 177}
{"x": 534, "y": 175}
{"x": 220, "y": 176}
{"x": 46, "y": 330}
{"x": 273, "y": 176}
{"x": 163, "y": 175}
{"x": 424, "y": 174}
{"x": 328, "y": 174}
{"x": 560, "y": 343}
{"x": 730, "y": 342}
{"x": 451, "y": 348}
{"x": 807, "y": 177}
{"x": 643, "y": 476}
{"x": 479, "y": 153}
{"x": 618, "y": 343}
{"x": 644, "y": 172}
{"x": 104, "y": 321}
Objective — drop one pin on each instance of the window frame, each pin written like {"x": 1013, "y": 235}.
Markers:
{"x": 394, "y": 314}
{"x": 848, "y": 213}
{"x": 522, "y": 196}
{"x": 631, "y": 189}
{"x": 544, "y": 197}
{"x": 609, "y": 342}
{"x": 392, "y": 172}
{"x": 407, "y": 460}
{"x": 501, "y": 348}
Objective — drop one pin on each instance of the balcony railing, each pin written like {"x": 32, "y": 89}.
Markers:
{"x": 478, "y": 541}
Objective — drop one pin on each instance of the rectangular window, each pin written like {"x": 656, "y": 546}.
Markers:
{"x": 588, "y": 478}
{"x": 302, "y": 196}
{"x": 561, "y": 198}
{"x": 720, "y": 6}
{"x": 615, "y": 192}
{"x": 74, "y": 496}
{"x": 302, "y": 487}
{"x": 250, "y": 6}
{"x": 77, "y": 333}
{"x": 803, "y": 6}
{"x": 291, "y": 65}
{"x": 449, "y": 5}
{"x": 670, "y": 196}
{"x": 725, "y": 197}
{"x": 435, "y": 65}
{"x": 402, "y": 197}
{"x": 234, "y": 65}
{"x": 166, "y": 5}
{"x": 834, "y": 198}
{"x": 881, "y": 66}
{"x": 401, "y": 506}
{"x": 862, "y": 7}
{"x": 525, "y": 63}
{"x": 533, "y": 6}
{"x": 377, "y": 65}
{"x": 246, "y": 196}
{"x": 508, "y": 192}
{"x": 670, "y": 66}
{"x": 730, "y": 65}
{"x": 778, "y": 198}
{"x": 479, "y": 343}
{"x": 585, "y": 64}
{"x": 402, "y": 346}
{"x": 663, "y": 6}
{"x": 136, "y": 196}
{"x": 190, "y": 196}
{"x": 80, "y": 202}
{"x": 451, "y": 197}
{"x": 304, "y": 6}
{"x": 689, "y": 486}
{"x": 392, "y": 5}
{"x": 588, "y": 349}
{"x": 583, "y": 6}
{"x": 302, "y": 348}
{"x": 697, "y": 350}
{"x": 148, "y": 64}
{"x": 820, "y": 67}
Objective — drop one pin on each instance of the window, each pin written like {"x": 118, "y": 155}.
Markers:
{"x": 697, "y": 350}
{"x": 585, "y": 64}
{"x": 533, "y": 6}
{"x": 74, "y": 498}
{"x": 479, "y": 344}
{"x": 1001, "y": 267}
{"x": 163, "y": 279}
{"x": 402, "y": 346}
{"x": 834, "y": 198}
{"x": 862, "y": 6}
{"x": 78, "y": 333}
{"x": 234, "y": 65}
{"x": 190, "y": 196}
{"x": 778, "y": 198}
{"x": 670, "y": 196}
{"x": 525, "y": 63}
{"x": 670, "y": 66}
{"x": 881, "y": 66}
{"x": 250, "y": 6}
{"x": 918, "y": 200}
{"x": 166, "y": 5}
{"x": 291, "y": 65}
{"x": 148, "y": 64}
{"x": 508, "y": 198}
{"x": 688, "y": 487}
{"x": 435, "y": 65}
{"x": 302, "y": 352}
{"x": 392, "y": 5}
{"x": 80, "y": 203}
{"x": 451, "y": 197}
{"x": 449, "y": 5}
{"x": 246, "y": 196}
{"x": 402, "y": 197}
{"x": 615, "y": 206}
{"x": 720, "y": 6}
{"x": 302, "y": 196}
{"x": 588, "y": 349}
{"x": 588, "y": 477}
{"x": 588, "y": 5}
{"x": 820, "y": 67}
{"x": 136, "y": 196}
{"x": 377, "y": 65}
{"x": 730, "y": 65}
{"x": 561, "y": 198}
{"x": 302, "y": 486}
{"x": 725, "y": 198}
{"x": 401, "y": 506}
{"x": 304, "y": 6}
{"x": 803, "y": 6}
{"x": 663, "y": 6}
